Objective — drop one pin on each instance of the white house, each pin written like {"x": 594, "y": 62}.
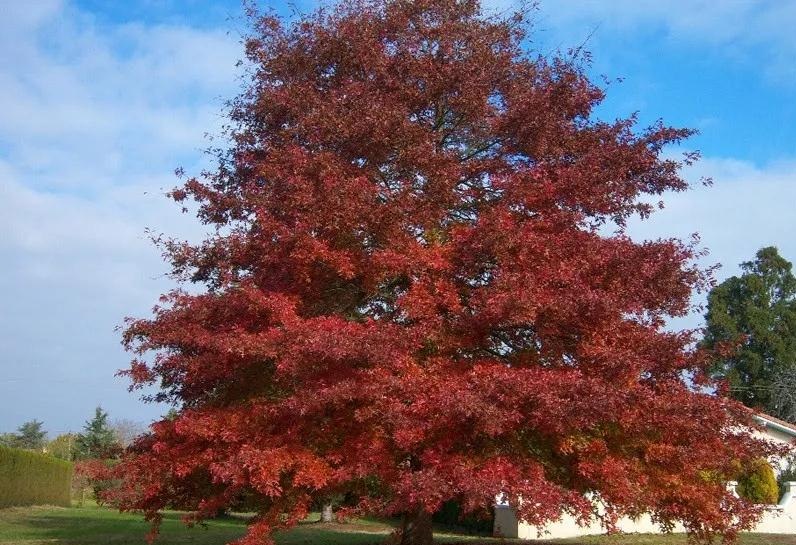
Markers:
{"x": 779, "y": 519}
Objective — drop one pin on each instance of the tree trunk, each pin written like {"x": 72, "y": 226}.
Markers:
{"x": 416, "y": 528}
{"x": 326, "y": 512}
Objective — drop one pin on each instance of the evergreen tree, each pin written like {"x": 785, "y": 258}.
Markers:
{"x": 751, "y": 323}
{"x": 98, "y": 439}
{"x": 30, "y": 435}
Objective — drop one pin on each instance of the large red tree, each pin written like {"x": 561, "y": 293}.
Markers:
{"x": 420, "y": 290}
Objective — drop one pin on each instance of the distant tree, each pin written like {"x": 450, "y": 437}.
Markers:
{"x": 783, "y": 394}
{"x": 98, "y": 439}
{"x": 126, "y": 430}
{"x": 30, "y": 435}
{"x": 63, "y": 446}
{"x": 751, "y": 323}
{"x": 788, "y": 474}
{"x": 8, "y": 439}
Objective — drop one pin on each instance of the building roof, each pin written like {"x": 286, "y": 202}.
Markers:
{"x": 769, "y": 421}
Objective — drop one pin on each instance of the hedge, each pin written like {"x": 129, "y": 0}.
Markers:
{"x": 30, "y": 478}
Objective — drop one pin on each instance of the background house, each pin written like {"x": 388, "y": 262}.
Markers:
{"x": 779, "y": 519}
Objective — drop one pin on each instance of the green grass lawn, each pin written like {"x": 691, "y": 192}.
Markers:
{"x": 93, "y": 525}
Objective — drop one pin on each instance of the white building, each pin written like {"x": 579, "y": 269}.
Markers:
{"x": 779, "y": 519}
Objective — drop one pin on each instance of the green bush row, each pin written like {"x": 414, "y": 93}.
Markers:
{"x": 30, "y": 478}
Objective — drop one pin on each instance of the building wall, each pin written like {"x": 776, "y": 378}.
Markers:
{"x": 779, "y": 519}
{"x": 776, "y": 436}
{"x": 506, "y": 524}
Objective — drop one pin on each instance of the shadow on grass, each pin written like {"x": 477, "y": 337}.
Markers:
{"x": 95, "y": 526}
{"x": 99, "y": 526}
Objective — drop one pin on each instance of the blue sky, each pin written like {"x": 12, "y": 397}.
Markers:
{"x": 102, "y": 100}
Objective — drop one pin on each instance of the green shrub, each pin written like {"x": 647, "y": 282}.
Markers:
{"x": 30, "y": 478}
{"x": 758, "y": 483}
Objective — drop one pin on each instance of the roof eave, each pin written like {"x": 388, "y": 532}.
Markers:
{"x": 775, "y": 425}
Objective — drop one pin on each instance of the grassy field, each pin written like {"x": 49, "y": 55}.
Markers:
{"x": 96, "y": 526}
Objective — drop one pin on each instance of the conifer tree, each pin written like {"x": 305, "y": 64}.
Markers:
{"x": 98, "y": 439}
{"x": 751, "y": 323}
{"x": 30, "y": 435}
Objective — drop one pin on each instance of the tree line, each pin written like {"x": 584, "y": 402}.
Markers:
{"x": 100, "y": 438}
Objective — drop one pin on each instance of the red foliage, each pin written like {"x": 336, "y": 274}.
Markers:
{"x": 99, "y": 474}
{"x": 413, "y": 294}
{"x": 93, "y": 470}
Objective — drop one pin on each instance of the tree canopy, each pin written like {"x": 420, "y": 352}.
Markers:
{"x": 412, "y": 296}
{"x": 31, "y": 435}
{"x": 98, "y": 439}
{"x": 751, "y": 324}
{"x": 63, "y": 446}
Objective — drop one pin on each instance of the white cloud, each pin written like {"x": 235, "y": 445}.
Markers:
{"x": 752, "y": 31}
{"x": 747, "y": 208}
{"x": 73, "y": 267}
{"x": 98, "y": 97}
{"x": 100, "y": 118}
{"x": 102, "y": 114}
